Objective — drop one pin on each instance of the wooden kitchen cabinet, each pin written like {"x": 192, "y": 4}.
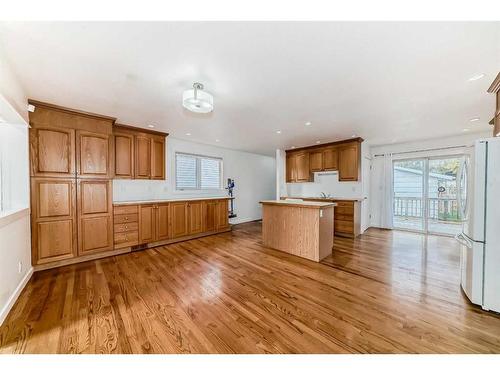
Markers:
{"x": 157, "y": 158}
{"x": 349, "y": 161}
{"x": 297, "y": 167}
{"x": 53, "y": 220}
{"x": 95, "y": 216}
{"x": 124, "y": 155}
{"x": 162, "y": 221}
{"x": 147, "y": 223}
{"x": 195, "y": 215}
{"x": 316, "y": 161}
{"x": 495, "y": 89}
{"x": 330, "y": 159}
{"x": 142, "y": 157}
{"x": 222, "y": 214}
{"x": 209, "y": 208}
{"x": 52, "y": 152}
{"x": 139, "y": 153}
{"x": 93, "y": 155}
{"x": 179, "y": 219}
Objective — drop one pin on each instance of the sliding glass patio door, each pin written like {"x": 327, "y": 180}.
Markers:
{"x": 425, "y": 194}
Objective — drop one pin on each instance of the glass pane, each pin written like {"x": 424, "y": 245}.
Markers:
{"x": 408, "y": 207}
{"x": 185, "y": 172}
{"x": 210, "y": 173}
{"x": 444, "y": 216}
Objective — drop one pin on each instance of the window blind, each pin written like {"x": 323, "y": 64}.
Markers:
{"x": 197, "y": 172}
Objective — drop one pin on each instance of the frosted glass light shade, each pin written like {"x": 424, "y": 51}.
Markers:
{"x": 202, "y": 103}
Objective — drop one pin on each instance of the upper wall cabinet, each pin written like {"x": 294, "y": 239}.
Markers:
{"x": 52, "y": 152}
{"x": 343, "y": 156}
{"x": 139, "y": 153}
{"x": 93, "y": 155}
{"x": 495, "y": 89}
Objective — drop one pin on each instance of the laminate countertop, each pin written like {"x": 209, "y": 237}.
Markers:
{"x": 329, "y": 199}
{"x": 167, "y": 200}
{"x": 306, "y": 204}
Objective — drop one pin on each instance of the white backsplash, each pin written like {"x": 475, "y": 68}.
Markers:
{"x": 326, "y": 183}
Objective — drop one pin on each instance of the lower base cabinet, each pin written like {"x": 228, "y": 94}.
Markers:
{"x": 149, "y": 223}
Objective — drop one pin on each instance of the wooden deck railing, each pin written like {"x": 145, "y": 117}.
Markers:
{"x": 439, "y": 208}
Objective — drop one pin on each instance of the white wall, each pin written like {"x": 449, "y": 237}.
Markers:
{"x": 410, "y": 150}
{"x": 15, "y": 248}
{"x": 254, "y": 177}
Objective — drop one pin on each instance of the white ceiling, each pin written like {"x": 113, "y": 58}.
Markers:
{"x": 384, "y": 81}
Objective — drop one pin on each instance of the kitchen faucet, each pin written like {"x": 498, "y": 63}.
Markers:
{"x": 324, "y": 195}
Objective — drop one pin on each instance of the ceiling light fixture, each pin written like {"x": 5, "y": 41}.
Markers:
{"x": 476, "y": 77}
{"x": 151, "y": 126}
{"x": 308, "y": 123}
{"x": 318, "y": 142}
{"x": 474, "y": 119}
{"x": 196, "y": 100}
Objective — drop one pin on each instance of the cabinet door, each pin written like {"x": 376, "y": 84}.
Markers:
{"x": 124, "y": 155}
{"x": 142, "y": 157}
{"x": 162, "y": 221}
{"x": 93, "y": 155}
{"x": 195, "y": 217}
{"x": 147, "y": 223}
{"x": 52, "y": 152}
{"x": 349, "y": 162}
{"x": 330, "y": 159}
{"x": 158, "y": 158}
{"x": 179, "y": 219}
{"x": 222, "y": 214}
{"x": 316, "y": 161}
{"x": 53, "y": 214}
{"x": 95, "y": 216}
{"x": 209, "y": 222}
{"x": 290, "y": 168}
{"x": 302, "y": 167}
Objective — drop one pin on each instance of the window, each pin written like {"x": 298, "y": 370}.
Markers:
{"x": 196, "y": 172}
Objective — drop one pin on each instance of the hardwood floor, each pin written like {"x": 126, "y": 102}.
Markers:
{"x": 384, "y": 292}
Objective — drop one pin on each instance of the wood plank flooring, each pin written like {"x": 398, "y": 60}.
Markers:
{"x": 384, "y": 292}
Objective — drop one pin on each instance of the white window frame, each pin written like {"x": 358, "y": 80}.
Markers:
{"x": 198, "y": 172}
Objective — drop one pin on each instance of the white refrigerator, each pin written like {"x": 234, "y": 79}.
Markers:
{"x": 479, "y": 207}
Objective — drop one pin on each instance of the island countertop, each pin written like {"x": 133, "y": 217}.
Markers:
{"x": 305, "y": 204}
{"x": 327, "y": 199}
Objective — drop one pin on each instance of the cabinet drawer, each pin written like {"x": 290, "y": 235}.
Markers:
{"x": 345, "y": 204}
{"x": 120, "y": 210}
{"x": 344, "y": 211}
{"x": 126, "y": 227}
{"x": 126, "y": 218}
{"x": 344, "y": 217}
{"x": 126, "y": 239}
{"x": 344, "y": 226}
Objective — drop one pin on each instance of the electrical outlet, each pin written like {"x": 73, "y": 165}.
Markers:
{"x": 20, "y": 267}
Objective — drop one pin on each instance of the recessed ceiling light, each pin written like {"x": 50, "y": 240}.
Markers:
{"x": 465, "y": 130}
{"x": 216, "y": 140}
{"x": 278, "y": 131}
{"x": 308, "y": 123}
{"x": 476, "y": 77}
{"x": 294, "y": 146}
{"x": 188, "y": 134}
{"x": 474, "y": 119}
{"x": 318, "y": 141}
{"x": 151, "y": 126}
{"x": 353, "y": 136}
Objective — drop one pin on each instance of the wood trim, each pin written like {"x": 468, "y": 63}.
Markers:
{"x": 495, "y": 85}
{"x": 336, "y": 143}
{"x": 81, "y": 259}
{"x": 59, "y": 108}
{"x": 135, "y": 129}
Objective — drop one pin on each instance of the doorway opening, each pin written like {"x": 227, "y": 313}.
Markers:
{"x": 426, "y": 194}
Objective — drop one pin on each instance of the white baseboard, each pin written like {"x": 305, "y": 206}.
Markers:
{"x": 13, "y": 298}
{"x": 243, "y": 220}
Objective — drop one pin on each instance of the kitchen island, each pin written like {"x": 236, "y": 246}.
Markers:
{"x": 300, "y": 228}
